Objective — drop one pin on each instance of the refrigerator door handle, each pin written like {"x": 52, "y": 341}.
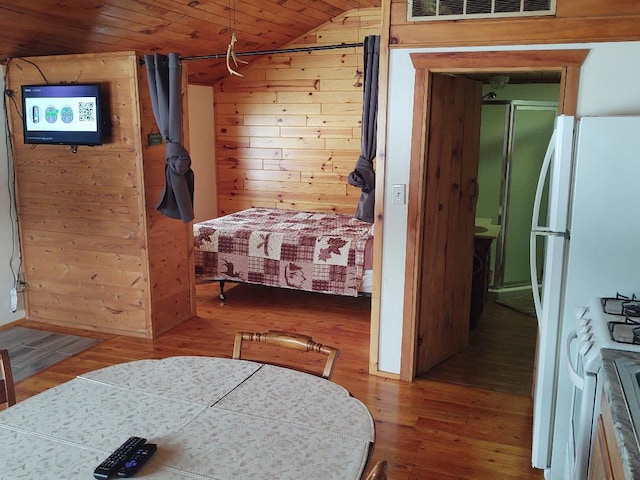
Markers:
{"x": 537, "y": 303}
{"x": 549, "y": 232}
{"x": 544, "y": 171}
{"x": 577, "y": 380}
{"x": 535, "y": 228}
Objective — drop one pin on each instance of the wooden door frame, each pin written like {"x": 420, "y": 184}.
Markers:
{"x": 566, "y": 62}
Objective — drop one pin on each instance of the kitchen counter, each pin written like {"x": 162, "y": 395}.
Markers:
{"x": 623, "y": 425}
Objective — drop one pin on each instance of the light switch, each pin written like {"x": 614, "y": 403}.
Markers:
{"x": 398, "y": 194}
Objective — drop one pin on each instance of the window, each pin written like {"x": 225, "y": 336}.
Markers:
{"x": 423, "y": 10}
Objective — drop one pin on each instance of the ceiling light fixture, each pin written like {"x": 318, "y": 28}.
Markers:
{"x": 498, "y": 81}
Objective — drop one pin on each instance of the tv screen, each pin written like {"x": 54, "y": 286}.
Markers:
{"x": 65, "y": 114}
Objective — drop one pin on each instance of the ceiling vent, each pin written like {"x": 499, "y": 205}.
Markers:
{"x": 426, "y": 10}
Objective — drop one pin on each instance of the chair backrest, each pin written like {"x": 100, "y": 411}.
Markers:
{"x": 289, "y": 340}
{"x": 7, "y": 389}
{"x": 379, "y": 471}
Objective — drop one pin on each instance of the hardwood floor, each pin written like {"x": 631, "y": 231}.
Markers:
{"x": 500, "y": 354}
{"x": 428, "y": 429}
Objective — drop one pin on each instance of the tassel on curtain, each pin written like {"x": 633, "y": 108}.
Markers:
{"x": 363, "y": 176}
{"x": 165, "y": 86}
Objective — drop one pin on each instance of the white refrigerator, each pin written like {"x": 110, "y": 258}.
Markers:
{"x": 590, "y": 242}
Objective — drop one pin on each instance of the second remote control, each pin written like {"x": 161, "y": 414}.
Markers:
{"x": 114, "y": 461}
{"x": 139, "y": 458}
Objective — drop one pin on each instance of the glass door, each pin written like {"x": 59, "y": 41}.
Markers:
{"x": 522, "y": 142}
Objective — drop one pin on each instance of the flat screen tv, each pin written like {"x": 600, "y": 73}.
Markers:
{"x": 64, "y": 114}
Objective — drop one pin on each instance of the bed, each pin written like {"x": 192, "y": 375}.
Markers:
{"x": 318, "y": 252}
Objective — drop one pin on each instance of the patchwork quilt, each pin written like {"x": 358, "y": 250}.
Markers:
{"x": 319, "y": 252}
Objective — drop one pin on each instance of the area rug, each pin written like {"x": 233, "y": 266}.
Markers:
{"x": 520, "y": 301}
{"x": 32, "y": 350}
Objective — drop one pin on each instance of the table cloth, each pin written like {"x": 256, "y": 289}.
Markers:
{"x": 212, "y": 418}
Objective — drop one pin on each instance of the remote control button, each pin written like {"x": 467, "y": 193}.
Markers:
{"x": 139, "y": 458}
{"x": 114, "y": 461}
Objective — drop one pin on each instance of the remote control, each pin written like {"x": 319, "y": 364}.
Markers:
{"x": 139, "y": 458}
{"x": 113, "y": 462}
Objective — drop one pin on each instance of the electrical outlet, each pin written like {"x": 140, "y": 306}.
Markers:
{"x": 14, "y": 300}
{"x": 398, "y": 194}
{"x": 154, "y": 139}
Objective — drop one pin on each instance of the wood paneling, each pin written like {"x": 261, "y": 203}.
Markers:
{"x": 584, "y": 21}
{"x": 40, "y": 27}
{"x": 288, "y": 133}
{"x": 96, "y": 253}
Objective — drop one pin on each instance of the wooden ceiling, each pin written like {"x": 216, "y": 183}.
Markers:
{"x": 188, "y": 27}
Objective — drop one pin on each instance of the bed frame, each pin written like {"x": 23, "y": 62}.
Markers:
{"x": 313, "y": 251}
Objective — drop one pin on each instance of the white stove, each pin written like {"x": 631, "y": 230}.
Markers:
{"x": 608, "y": 322}
{"x": 623, "y": 320}
{"x": 614, "y": 322}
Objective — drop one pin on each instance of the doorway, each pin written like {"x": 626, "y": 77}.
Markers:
{"x": 515, "y": 131}
{"x": 516, "y": 123}
{"x": 566, "y": 63}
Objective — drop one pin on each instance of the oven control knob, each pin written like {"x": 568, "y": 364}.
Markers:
{"x": 584, "y": 328}
{"x": 584, "y": 334}
{"x": 584, "y": 337}
{"x": 584, "y": 323}
{"x": 585, "y": 347}
{"x": 579, "y": 312}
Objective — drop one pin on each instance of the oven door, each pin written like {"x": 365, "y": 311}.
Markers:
{"x": 584, "y": 402}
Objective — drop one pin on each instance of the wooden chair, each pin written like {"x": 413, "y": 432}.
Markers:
{"x": 7, "y": 389}
{"x": 289, "y": 340}
{"x": 379, "y": 471}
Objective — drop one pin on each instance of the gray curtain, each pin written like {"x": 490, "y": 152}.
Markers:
{"x": 165, "y": 86}
{"x": 363, "y": 176}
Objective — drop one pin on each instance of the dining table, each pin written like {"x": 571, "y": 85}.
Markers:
{"x": 211, "y": 418}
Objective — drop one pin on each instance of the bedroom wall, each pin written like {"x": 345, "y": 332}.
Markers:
{"x": 288, "y": 132}
{"x": 96, "y": 253}
{"x": 202, "y": 151}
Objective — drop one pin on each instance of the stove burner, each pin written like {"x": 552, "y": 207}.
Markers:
{"x": 621, "y": 305}
{"x": 631, "y": 308}
{"x": 625, "y": 332}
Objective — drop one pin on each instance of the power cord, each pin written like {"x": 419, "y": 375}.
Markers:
{"x": 19, "y": 285}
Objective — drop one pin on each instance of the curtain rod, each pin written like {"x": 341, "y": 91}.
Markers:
{"x": 270, "y": 52}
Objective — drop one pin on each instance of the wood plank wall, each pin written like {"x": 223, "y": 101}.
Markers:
{"x": 575, "y": 21}
{"x": 288, "y": 132}
{"x": 169, "y": 241}
{"x": 95, "y": 252}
